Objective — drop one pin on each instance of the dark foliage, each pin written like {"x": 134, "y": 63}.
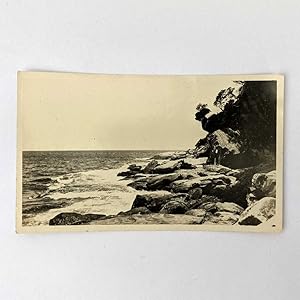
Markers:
{"x": 249, "y": 118}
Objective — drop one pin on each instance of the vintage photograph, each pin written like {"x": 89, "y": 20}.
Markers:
{"x": 148, "y": 152}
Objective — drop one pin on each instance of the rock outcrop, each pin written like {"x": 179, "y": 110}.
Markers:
{"x": 75, "y": 219}
{"x": 153, "y": 201}
{"x": 171, "y": 166}
{"x": 259, "y": 212}
{"x": 246, "y": 125}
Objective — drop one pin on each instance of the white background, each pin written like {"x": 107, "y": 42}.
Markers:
{"x": 169, "y": 37}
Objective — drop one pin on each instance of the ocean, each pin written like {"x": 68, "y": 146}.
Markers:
{"x": 76, "y": 181}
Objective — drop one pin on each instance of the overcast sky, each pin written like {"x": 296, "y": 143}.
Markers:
{"x": 62, "y": 111}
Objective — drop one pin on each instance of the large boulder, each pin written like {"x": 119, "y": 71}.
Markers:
{"x": 185, "y": 185}
{"x": 155, "y": 201}
{"x": 259, "y": 212}
{"x": 39, "y": 206}
{"x": 148, "y": 169}
{"x": 133, "y": 169}
{"x": 168, "y": 167}
{"x": 263, "y": 185}
{"x": 162, "y": 182}
{"x": 156, "y": 182}
{"x": 218, "y": 185}
{"x": 139, "y": 184}
{"x": 74, "y": 219}
{"x": 236, "y": 191}
{"x": 171, "y": 166}
{"x": 174, "y": 207}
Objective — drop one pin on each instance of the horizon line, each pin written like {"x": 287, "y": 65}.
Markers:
{"x": 61, "y": 150}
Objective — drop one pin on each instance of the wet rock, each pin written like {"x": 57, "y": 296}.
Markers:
{"x": 139, "y": 184}
{"x": 154, "y": 219}
{"x": 152, "y": 201}
{"x": 150, "y": 166}
{"x": 44, "y": 180}
{"x": 134, "y": 168}
{"x": 158, "y": 182}
{"x": 174, "y": 207}
{"x": 126, "y": 173}
{"x": 168, "y": 167}
{"x": 162, "y": 181}
{"x": 74, "y": 219}
{"x": 41, "y": 207}
{"x": 259, "y": 212}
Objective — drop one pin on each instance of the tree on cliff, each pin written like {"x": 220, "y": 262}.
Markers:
{"x": 202, "y": 110}
{"x": 229, "y": 96}
{"x": 225, "y": 96}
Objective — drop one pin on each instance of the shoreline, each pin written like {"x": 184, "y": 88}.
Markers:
{"x": 176, "y": 188}
{"x": 79, "y": 202}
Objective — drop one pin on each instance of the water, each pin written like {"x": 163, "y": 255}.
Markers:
{"x": 76, "y": 181}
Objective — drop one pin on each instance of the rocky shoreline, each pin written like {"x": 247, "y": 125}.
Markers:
{"x": 177, "y": 188}
{"x": 229, "y": 178}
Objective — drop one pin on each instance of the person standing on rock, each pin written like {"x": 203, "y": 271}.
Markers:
{"x": 217, "y": 155}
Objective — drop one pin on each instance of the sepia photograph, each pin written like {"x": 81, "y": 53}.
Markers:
{"x": 149, "y": 152}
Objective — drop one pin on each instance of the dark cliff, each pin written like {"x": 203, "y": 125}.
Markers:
{"x": 244, "y": 132}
